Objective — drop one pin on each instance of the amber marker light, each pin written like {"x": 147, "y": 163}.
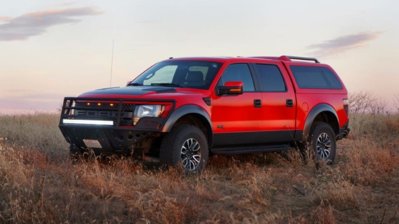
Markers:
{"x": 235, "y": 90}
{"x": 98, "y": 104}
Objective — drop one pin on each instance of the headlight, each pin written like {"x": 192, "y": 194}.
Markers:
{"x": 147, "y": 111}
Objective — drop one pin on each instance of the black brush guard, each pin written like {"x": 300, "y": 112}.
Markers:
{"x": 121, "y": 136}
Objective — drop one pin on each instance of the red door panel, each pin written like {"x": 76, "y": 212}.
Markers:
{"x": 276, "y": 115}
{"x": 236, "y": 113}
{"x": 278, "y": 109}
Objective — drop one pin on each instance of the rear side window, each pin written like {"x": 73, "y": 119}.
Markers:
{"x": 238, "y": 72}
{"x": 315, "y": 78}
{"x": 270, "y": 78}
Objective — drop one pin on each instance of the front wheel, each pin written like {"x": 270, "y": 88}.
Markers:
{"x": 323, "y": 143}
{"x": 185, "y": 147}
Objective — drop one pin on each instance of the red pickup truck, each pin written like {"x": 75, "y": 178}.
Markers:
{"x": 181, "y": 110}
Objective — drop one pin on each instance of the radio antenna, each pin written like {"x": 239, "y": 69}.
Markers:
{"x": 112, "y": 63}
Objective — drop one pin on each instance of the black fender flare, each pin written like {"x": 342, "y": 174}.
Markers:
{"x": 185, "y": 110}
{"x": 314, "y": 112}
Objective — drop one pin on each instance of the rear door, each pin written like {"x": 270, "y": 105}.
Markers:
{"x": 278, "y": 110}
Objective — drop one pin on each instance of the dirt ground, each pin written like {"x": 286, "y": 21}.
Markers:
{"x": 39, "y": 184}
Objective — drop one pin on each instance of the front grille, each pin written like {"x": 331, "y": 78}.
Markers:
{"x": 96, "y": 114}
{"x": 119, "y": 112}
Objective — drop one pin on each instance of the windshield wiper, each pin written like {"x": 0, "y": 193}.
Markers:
{"x": 165, "y": 84}
{"x": 134, "y": 84}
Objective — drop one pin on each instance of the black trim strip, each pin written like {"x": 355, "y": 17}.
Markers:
{"x": 255, "y": 138}
{"x": 250, "y": 149}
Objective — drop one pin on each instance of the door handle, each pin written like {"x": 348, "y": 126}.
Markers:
{"x": 257, "y": 103}
{"x": 289, "y": 103}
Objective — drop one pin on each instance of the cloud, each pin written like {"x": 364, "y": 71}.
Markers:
{"x": 343, "y": 43}
{"x": 36, "y": 23}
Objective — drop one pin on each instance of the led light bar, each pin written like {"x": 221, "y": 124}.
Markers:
{"x": 88, "y": 122}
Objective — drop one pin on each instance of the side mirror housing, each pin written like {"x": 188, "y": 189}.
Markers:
{"x": 231, "y": 88}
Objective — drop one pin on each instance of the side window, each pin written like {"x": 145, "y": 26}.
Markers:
{"x": 315, "y": 78}
{"x": 331, "y": 78}
{"x": 270, "y": 78}
{"x": 238, "y": 72}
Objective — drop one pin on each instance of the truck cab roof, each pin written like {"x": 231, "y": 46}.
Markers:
{"x": 283, "y": 58}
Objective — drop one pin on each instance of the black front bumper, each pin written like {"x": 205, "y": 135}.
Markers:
{"x": 110, "y": 139}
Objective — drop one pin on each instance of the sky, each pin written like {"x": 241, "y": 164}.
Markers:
{"x": 51, "y": 49}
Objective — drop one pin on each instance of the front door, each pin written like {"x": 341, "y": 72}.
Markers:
{"x": 235, "y": 117}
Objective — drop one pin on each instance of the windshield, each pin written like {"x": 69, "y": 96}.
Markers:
{"x": 187, "y": 74}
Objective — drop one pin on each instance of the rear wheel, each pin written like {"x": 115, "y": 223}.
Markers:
{"x": 323, "y": 143}
{"x": 185, "y": 147}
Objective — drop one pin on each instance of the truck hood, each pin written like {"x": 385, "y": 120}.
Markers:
{"x": 144, "y": 92}
{"x": 129, "y": 90}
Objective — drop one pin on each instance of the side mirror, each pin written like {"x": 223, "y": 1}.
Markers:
{"x": 231, "y": 88}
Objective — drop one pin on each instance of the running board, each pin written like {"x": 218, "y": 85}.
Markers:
{"x": 250, "y": 149}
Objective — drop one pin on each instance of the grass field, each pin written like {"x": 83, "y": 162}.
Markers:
{"x": 38, "y": 183}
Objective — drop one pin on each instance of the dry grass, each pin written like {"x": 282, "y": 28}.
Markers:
{"x": 38, "y": 184}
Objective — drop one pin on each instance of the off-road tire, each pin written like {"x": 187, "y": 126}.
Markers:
{"x": 185, "y": 144}
{"x": 323, "y": 143}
